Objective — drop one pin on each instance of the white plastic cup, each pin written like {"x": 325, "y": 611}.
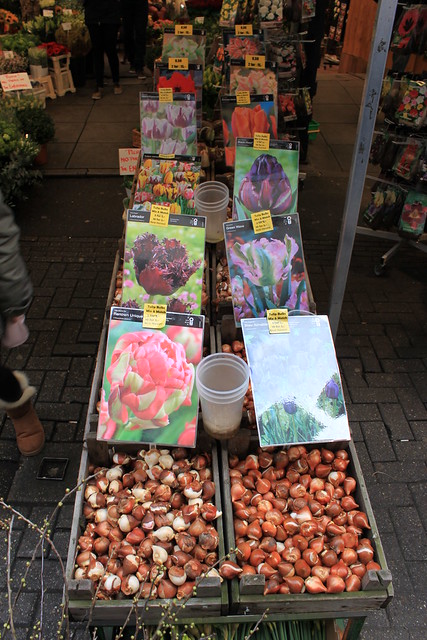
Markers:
{"x": 211, "y": 200}
{"x": 222, "y": 380}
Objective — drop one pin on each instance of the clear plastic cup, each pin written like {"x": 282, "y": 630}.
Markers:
{"x": 211, "y": 200}
{"x": 222, "y": 380}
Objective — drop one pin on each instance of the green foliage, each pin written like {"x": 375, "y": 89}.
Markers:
{"x": 10, "y": 134}
{"x": 19, "y": 42}
{"x": 17, "y": 174}
{"x": 16, "y": 64}
{"x": 77, "y": 38}
{"x": 42, "y": 28}
{"x": 33, "y": 119}
{"x": 37, "y": 56}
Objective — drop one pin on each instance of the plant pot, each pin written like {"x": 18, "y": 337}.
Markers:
{"x": 78, "y": 71}
{"x": 41, "y": 157}
{"x": 37, "y": 71}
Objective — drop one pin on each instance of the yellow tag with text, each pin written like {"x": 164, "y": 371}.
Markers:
{"x": 243, "y": 97}
{"x": 255, "y": 62}
{"x": 183, "y": 29}
{"x": 261, "y": 221}
{"x": 166, "y": 94}
{"x": 244, "y": 30}
{"x": 261, "y": 141}
{"x": 154, "y": 316}
{"x": 178, "y": 64}
{"x": 159, "y": 215}
{"x": 278, "y": 320}
{"x": 167, "y": 156}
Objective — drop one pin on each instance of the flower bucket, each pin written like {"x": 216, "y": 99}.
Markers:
{"x": 41, "y": 157}
{"x": 37, "y": 71}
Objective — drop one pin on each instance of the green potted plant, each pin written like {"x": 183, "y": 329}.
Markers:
{"x": 34, "y": 122}
{"x": 37, "y": 58}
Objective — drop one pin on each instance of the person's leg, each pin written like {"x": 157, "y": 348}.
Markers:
{"x": 140, "y": 27}
{"x": 97, "y": 53}
{"x": 128, "y": 11}
{"x": 109, "y": 32}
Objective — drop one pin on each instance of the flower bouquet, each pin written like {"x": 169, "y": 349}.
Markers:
{"x": 265, "y": 180}
{"x": 267, "y": 271}
{"x": 256, "y": 81}
{"x": 237, "y": 47}
{"x": 173, "y": 181}
{"x": 190, "y": 47}
{"x": 164, "y": 265}
{"x": 243, "y": 121}
{"x": 296, "y": 384}
{"x": 183, "y": 81}
{"x": 168, "y": 127}
{"x": 148, "y": 392}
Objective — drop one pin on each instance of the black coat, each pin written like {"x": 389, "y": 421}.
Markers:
{"x": 102, "y": 11}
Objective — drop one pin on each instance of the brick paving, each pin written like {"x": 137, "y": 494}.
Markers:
{"x": 382, "y": 349}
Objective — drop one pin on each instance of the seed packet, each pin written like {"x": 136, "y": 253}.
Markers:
{"x": 385, "y": 207}
{"x": 407, "y": 160}
{"x": 284, "y": 53}
{"x": 172, "y": 182}
{"x": 414, "y": 214}
{"x": 265, "y": 179}
{"x": 267, "y": 270}
{"x": 227, "y": 17}
{"x": 164, "y": 265}
{"x": 149, "y": 393}
{"x": 182, "y": 81}
{"x": 409, "y": 34}
{"x": 237, "y": 47}
{"x": 413, "y": 108}
{"x": 296, "y": 383}
{"x": 256, "y": 81}
{"x": 287, "y": 106}
{"x": 270, "y": 12}
{"x": 168, "y": 127}
{"x": 242, "y": 121}
{"x": 190, "y": 47}
{"x": 308, "y": 10}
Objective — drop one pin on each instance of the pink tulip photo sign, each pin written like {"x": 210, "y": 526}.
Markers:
{"x": 265, "y": 180}
{"x": 168, "y": 127}
{"x": 148, "y": 392}
{"x": 164, "y": 265}
{"x": 267, "y": 270}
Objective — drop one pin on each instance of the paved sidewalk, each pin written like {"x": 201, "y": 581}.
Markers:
{"x": 382, "y": 348}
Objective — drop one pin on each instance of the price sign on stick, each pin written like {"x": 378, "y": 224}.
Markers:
{"x": 244, "y": 30}
{"x": 66, "y": 26}
{"x": 261, "y": 221}
{"x": 154, "y": 316}
{"x": 278, "y": 320}
{"x": 15, "y": 82}
{"x": 178, "y": 64}
{"x": 159, "y": 215}
{"x": 261, "y": 141}
{"x": 128, "y": 161}
{"x": 47, "y": 13}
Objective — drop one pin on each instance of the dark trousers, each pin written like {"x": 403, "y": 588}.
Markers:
{"x": 135, "y": 18}
{"x": 104, "y": 40}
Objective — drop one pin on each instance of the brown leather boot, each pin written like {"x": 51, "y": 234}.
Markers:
{"x": 28, "y": 428}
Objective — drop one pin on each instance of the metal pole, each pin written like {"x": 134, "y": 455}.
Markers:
{"x": 365, "y": 128}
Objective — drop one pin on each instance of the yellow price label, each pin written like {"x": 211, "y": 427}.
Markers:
{"x": 177, "y": 64}
{"x": 154, "y": 316}
{"x": 278, "y": 320}
{"x": 244, "y": 30}
{"x": 255, "y": 62}
{"x": 183, "y": 29}
{"x": 167, "y": 156}
{"x": 261, "y": 141}
{"x": 159, "y": 215}
{"x": 261, "y": 221}
{"x": 243, "y": 97}
{"x": 166, "y": 94}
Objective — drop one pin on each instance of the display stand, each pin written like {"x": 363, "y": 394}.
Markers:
{"x": 59, "y": 71}
{"x": 47, "y": 84}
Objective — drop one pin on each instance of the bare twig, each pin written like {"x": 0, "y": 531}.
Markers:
{"x": 9, "y": 588}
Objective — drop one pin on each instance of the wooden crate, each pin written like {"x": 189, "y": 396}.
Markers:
{"x": 246, "y": 596}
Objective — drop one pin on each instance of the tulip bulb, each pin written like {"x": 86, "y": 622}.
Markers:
{"x": 160, "y": 555}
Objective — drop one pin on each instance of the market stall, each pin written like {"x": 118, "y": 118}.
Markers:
{"x": 249, "y": 508}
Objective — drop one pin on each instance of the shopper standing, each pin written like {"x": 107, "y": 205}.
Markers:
{"x": 135, "y": 19}
{"x": 15, "y": 297}
{"x": 103, "y": 20}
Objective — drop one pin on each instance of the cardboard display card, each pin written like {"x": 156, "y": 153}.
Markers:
{"x": 166, "y": 182}
{"x": 168, "y": 127}
{"x": 181, "y": 81}
{"x": 236, "y": 47}
{"x": 296, "y": 383}
{"x": 267, "y": 270}
{"x": 250, "y": 78}
{"x": 242, "y": 118}
{"x": 164, "y": 264}
{"x": 191, "y": 47}
{"x": 265, "y": 179}
{"x": 148, "y": 392}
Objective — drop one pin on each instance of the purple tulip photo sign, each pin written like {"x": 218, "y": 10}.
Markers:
{"x": 168, "y": 127}
{"x": 267, "y": 271}
{"x": 296, "y": 383}
{"x": 265, "y": 179}
{"x": 164, "y": 265}
{"x": 148, "y": 392}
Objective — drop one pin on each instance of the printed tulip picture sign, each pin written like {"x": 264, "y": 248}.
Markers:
{"x": 164, "y": 265}
{"x": 296, "y": 383}
{"x": 170, "y": 182}
{"x": 243, "y": 121}
{"x": 237, "y": 47}
{"x": 265, "y": 179}
{"x": 148, "y": 392}
{"x": 181, "y": 81}
{"x": 256, "y": 81}
{"x": 168, "y": 127}
{"x": 191, "y": 47}
{"x": 267, "y": 271}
